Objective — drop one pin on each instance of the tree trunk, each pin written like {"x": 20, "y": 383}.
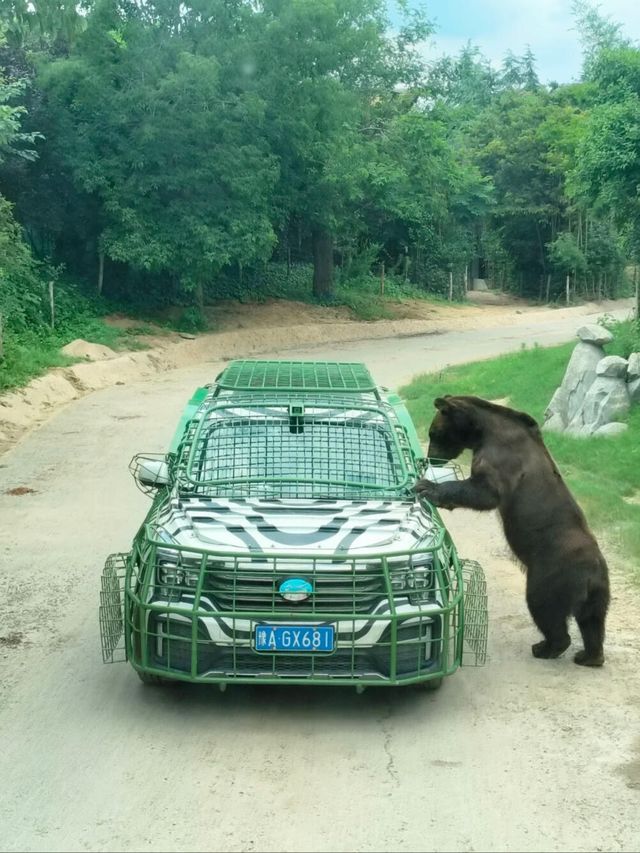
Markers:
{"x": 636, "y": 282}
{"x": 322, "y": 242}
{"x": 198, "y": 296}
{"x": 548, "y": 287}
{"x": 52, "y": 305}
{"x": 100, "y": 272}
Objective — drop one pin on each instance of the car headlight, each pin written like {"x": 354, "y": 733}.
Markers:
{"x": 176, "y": 571}
{"x": 413, "y": 578}
{"x": 171, "y": 574}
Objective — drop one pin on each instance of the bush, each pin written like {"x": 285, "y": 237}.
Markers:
{"x": 626, "y": 336}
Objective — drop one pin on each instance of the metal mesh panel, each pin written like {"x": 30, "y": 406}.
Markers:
{"x": 329, "y": 454}
{"x": 476, "y": 618}
{"x": 111, "y": 610}
{"x": 296, "y": 375}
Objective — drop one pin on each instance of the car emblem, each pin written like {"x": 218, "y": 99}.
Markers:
{"x": 295, "y": 589}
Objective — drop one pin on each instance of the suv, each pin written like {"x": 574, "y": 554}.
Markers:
{"x": 284, "y": 542}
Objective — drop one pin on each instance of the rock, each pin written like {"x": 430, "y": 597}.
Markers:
{"x": 578, "y": 378}
{"x": 612, "y": 365}
{"x": 633, "y": 366}
{"x": 611, "y": 429}
{"x": 634, "y": 390}
{"x": 606, "y": 400}
{"x": 554, "y": 423}
{"x": 85, "y": 349}
{"x": 594, "y": 334}
{"x": 187, "y": 336}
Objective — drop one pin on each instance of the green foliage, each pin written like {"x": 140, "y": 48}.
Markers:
{"x": 190, "y": 320}
{"x": 184, "y": 157}
{"x": 626, "y": 336}
{"x": 598, "y": 33}
{"x": 184, "y": 186}
{"x": 566, "y": 256}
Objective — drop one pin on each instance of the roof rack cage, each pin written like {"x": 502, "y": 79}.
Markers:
{"x": 257, "y": 375}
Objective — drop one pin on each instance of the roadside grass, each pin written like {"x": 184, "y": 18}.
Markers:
{"x": 603, "y": 473}
{"x": 30, "y": 354}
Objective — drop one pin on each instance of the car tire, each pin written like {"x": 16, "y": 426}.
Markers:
{"x": 148, "y": 678}
{"x": 430, "y": 686}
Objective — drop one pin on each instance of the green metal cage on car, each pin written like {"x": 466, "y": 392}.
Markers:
{"x": 284, "y": 543}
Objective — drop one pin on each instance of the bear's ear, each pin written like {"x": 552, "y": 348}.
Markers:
{"x": 458, "y": 411}
{"x": 443, "y": 404}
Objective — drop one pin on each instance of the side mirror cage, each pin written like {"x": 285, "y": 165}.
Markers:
{"x": 150, "y": 472}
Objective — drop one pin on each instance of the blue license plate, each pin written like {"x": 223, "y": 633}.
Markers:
{"x": 294, "y": 638}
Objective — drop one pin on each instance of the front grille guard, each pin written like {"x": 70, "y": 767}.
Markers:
{"x": 177, "y": 629}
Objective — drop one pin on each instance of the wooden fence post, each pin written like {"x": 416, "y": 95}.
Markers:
{"x": 52, "y": 306}
{"x": 568, "y": 288}
{"x": 382, "y": 279}
{"x": 450, "y": 285}
{"x": 100, "y": 272}
{"x": 1, "y": 341}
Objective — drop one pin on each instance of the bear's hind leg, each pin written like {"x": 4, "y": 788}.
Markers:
{"x": 590, "y": 619}
{"x": 552, "y": 622}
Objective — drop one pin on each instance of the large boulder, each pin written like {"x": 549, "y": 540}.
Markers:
{"x": 612, "y": 365}
{"x": 606, "y": 400}
{"x": 592, "y": 333}
{"x": 578, "y": 378}
{"x": 633, "y": 377}
{"x": 612, "y": 429}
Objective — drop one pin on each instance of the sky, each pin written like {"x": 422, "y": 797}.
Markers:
{"x": 497, "y": 26}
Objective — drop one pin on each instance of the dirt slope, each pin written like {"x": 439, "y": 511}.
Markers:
{"x": 247, "y": 330}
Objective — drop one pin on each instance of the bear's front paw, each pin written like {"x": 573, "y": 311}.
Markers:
{"x": 427, "y": 489}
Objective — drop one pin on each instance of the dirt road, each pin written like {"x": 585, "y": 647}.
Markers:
{"x": 520, "y": 755}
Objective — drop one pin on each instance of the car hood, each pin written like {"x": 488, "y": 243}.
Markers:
{"x": 297, "y": 526}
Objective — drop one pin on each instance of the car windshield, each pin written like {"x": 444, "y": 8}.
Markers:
{"x": 284, "y": 451}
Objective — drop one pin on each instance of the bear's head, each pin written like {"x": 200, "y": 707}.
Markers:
{"x": 454, "y": 428}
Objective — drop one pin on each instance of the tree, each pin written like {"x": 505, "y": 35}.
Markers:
{"x": 175, "y": 156}
{"x": 327, "y": 70}
{"x": 19, "y": 281}
{"x": 597, "y": 33}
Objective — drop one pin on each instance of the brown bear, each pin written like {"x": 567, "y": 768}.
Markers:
{"x": 512, "y": 471}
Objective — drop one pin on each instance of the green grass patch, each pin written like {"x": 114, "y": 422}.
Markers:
{"x": 30, "y": 354}
{"x": 527, "y": 378}
{"x": 603, "y": 473}
{"x": 26, "y": 357}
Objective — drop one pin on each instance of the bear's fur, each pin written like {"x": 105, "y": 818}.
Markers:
{"x": 512, "y": 471}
